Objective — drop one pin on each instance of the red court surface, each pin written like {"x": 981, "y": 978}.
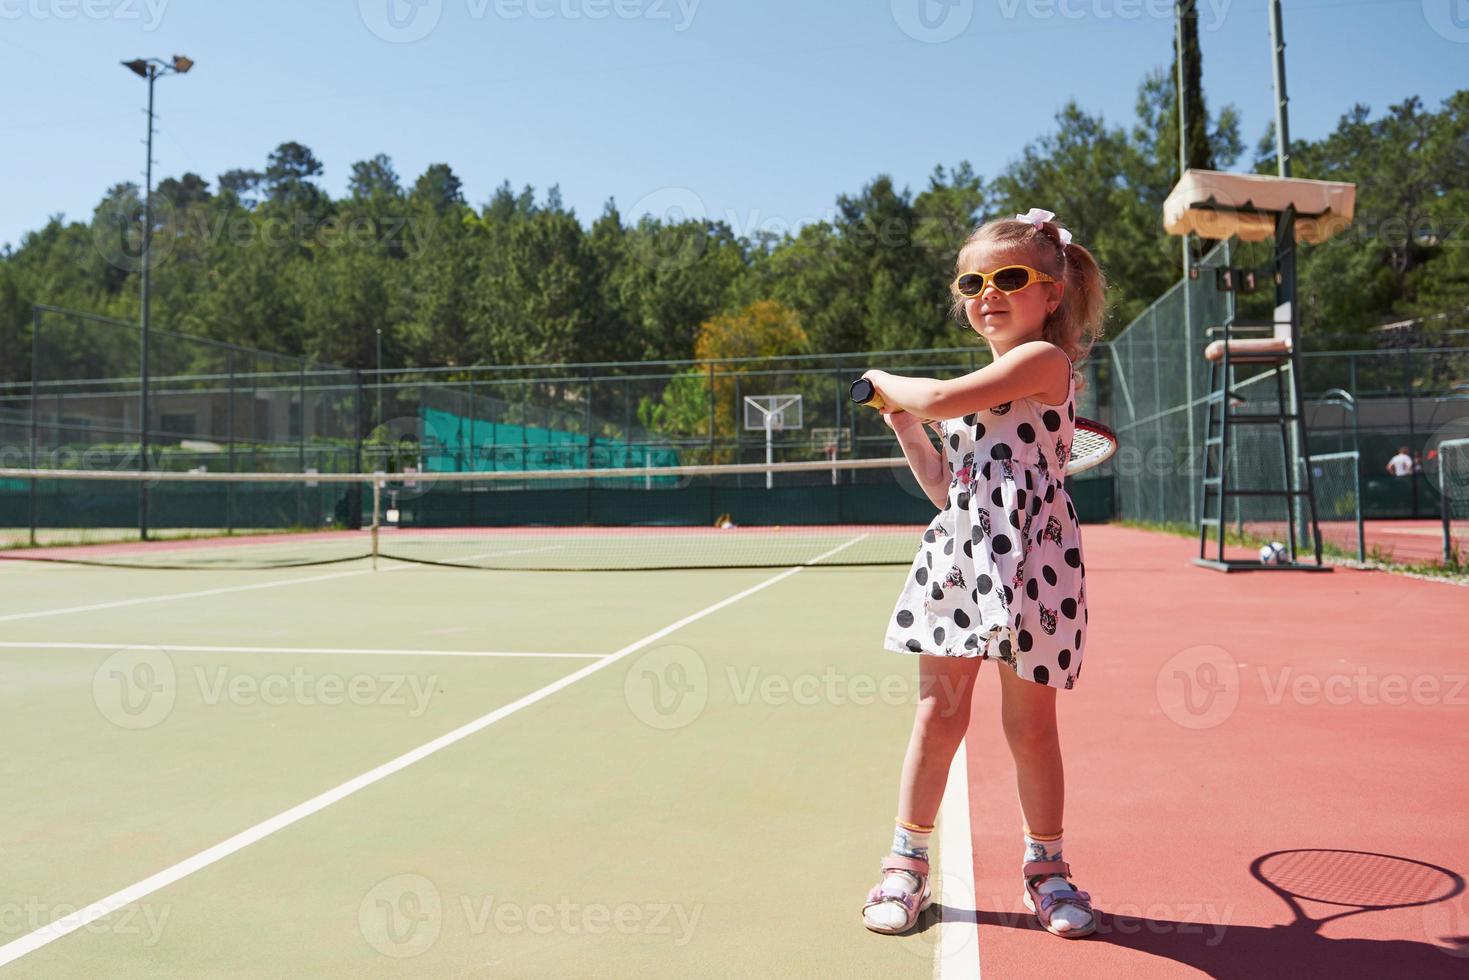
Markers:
{"x": 1221, "y": 718}
{"x": 1408, "y": 542}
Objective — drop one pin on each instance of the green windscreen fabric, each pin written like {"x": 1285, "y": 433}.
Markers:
{"x": 454, "y": 443}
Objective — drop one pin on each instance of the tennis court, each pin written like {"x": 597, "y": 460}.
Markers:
{"x": 422, "y": 771}
{"x": 1404, "y": 541}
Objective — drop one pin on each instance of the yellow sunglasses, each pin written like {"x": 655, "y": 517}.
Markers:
{"x": 1009, "y": 279}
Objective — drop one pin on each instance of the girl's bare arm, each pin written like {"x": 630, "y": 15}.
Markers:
{"x": 1027, "y": 370}
{"x": 926, "y": 462}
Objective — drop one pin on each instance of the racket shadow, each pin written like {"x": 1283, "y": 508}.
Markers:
{"x": 1238, "y": 951}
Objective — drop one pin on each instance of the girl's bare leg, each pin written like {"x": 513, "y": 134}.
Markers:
{"x": 1028, "y": 716}
{"x": 945, "y": 688}
{"x": 945, "y": 691}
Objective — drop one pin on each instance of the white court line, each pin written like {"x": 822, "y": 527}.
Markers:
{"x": 170, "y": 597}
{"x": 1416, "y": 532}
{"x": 957, "y": 954}
{"x": 195, "y": 648}
{"x": 497, "y": 554}
{"x": 68, "y": 924}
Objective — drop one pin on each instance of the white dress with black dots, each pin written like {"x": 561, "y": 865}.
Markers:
{"x": 999, "y": 573}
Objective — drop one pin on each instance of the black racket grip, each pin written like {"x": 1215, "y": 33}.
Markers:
{"x": 863, "y": 393}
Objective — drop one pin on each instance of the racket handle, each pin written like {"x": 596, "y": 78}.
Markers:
{"x": 865, "y": 393}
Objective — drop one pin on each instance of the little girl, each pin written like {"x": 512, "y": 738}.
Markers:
{"x": 999, "y": 574}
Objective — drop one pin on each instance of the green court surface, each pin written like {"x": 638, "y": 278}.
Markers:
{"x": 675, "y": 791}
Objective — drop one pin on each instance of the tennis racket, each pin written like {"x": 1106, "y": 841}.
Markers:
{"x": 1356, "y": 881}
{"x": 1091, "y": 445}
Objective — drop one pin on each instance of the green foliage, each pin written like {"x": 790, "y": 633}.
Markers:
{"x": 269, "y": 260}
{"x": 1407, "y": 253}
{"x": 683, "y": 410}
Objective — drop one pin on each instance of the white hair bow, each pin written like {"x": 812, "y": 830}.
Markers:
{"x": 1038, "y": 217}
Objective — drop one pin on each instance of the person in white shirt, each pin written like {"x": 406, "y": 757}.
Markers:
{"x": 1401, "y": 464}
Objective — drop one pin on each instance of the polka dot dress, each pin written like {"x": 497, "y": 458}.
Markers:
{"x": 999, "y": 573}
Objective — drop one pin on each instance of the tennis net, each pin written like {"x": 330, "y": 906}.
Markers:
{"x": 844, "y": 511}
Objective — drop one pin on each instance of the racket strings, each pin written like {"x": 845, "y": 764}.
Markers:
{"x": 1090, "y": 446}
{"x": 1088, "y": 443}
{"x": 1355, "y": 878}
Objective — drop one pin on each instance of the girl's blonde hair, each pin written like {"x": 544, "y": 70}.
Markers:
{"x": 1076, "y": 324}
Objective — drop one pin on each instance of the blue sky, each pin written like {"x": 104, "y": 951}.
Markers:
{"x": 757, "y": 112}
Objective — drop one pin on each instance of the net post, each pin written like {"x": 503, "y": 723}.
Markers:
{"x": 377, "y": 499}
{"x": 1445, "y": 510}
{"x": 1357, "y": 448}
{"x": 1357, "y": 496}
{"x": 35, "y": 414}
{"x": 1412, "y": 434}
{"x": 355, "y": 496}
{"x": 301, "y": 442}
{"x": 229, "y": 424}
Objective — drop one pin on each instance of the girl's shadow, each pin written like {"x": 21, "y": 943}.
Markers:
{"x": 1246, "y": 952}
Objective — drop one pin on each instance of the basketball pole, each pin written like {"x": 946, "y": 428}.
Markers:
{"x": 769, "y": 451}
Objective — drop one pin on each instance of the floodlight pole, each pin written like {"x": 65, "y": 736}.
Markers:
{"x": 1188, "y": 327}
{"x": 150, "y": 69}
{"x": 1182, "y": 105}
{"x": 1282, "y": 114}
{"x": 143, "y": 346}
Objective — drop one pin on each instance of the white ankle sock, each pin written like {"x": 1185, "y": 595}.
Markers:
{"x": 911, "y": 843}
{"x": 1065, "y": 916}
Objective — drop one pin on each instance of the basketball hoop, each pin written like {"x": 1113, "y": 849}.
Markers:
{"x": 832, "y": 442}
{"x": 772, "y": 414}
